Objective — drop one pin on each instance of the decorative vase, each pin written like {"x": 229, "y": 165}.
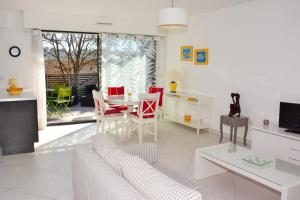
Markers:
{"x": 172, "y": 86}
{"x": 187, "y": 118}
{"x": 13, "y": 89}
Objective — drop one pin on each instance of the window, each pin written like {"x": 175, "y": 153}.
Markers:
{"x": 128, "y": 61}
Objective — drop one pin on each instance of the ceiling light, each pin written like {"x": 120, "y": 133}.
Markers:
{"x": 172, "y": 18}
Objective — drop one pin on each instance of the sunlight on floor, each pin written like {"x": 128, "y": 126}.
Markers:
{"x": 52, "y": 133}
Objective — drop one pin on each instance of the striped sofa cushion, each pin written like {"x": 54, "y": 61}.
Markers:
{"x": 94, "y": 179}
{"x": 113, "y": 157}
{"x": 146, "y": 151}
{"x": 153, "y": 184}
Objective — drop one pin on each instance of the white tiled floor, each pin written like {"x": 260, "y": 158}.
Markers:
{"x": 46, "y": 174}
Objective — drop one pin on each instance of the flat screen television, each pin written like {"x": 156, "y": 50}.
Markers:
{"x": 289, "y": 117}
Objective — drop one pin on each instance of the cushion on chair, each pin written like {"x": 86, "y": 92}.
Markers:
{"x": 116, "y": 90}
{"x": 153, "y": 184}
{"x": 135, "y": 114}
{"x": 155, "y": 90}
{"x": 119, "y": 107}
{"x": 113, "y": 112}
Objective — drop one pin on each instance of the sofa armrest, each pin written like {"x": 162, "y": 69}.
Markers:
{"x": 146, "y": 151}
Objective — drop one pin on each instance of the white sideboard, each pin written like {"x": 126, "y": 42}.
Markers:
{"x": 180, "y": 103}
{"x": 275, "y": 142}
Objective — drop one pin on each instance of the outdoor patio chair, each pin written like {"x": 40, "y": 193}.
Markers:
{"x": 56, "y": 89}
{"x": 61, "y": 103}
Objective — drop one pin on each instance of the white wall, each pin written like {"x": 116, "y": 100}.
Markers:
{"x": 19, "y": 67}
{"x": 88, "y": 23}
{"x": 253, "y": 49}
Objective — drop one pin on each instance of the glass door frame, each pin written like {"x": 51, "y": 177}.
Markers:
{"x": 98, "y": 67}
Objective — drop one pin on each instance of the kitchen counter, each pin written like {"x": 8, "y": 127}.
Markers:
{"x": 26, "y": 95}
{"x": 18, "y": 124}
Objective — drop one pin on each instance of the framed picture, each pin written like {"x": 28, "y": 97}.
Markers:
{"x": 201, "y": 57}
{"x": 186, "y": 53}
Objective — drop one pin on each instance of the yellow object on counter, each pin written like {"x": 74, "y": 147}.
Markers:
{"x": 13, "y": 89}
{"x": 187, "y": 118}
{"x": 192, "y": 99}
{"x": 12, "y": 82}
{"x": 173, "y": 87}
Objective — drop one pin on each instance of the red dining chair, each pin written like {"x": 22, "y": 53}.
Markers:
{"x": 103, "y": 114}
{"x": 159, "y": 90}
{"x": 113, "y": 91}
{"x": 116, "y": 91}
{"x": 146, "y": 114}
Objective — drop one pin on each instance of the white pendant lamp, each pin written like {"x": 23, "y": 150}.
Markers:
{"x": 172, "y": 18}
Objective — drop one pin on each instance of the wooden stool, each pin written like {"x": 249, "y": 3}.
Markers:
{"x": 234, "y": 122}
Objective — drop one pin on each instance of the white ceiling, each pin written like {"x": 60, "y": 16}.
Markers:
{"x": 128, "y": 8}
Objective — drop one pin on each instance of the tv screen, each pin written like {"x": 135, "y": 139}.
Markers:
{"x": 289, "y": 116}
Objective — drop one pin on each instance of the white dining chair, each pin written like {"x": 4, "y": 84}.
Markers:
{"x": 104, "y": 114}
{"x": 146, "y": 115}
{"x": 160, "y": 90}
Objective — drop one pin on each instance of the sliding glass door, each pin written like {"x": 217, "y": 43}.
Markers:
{"x": 83, "y": 62}
{"x": 71, "y": 63}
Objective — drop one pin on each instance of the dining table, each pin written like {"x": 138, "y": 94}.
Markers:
{"x": 125, "y": 100}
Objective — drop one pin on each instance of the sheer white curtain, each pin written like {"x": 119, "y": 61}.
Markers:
{"x": 128, "y": 60}
{"x": 39, "y": 86}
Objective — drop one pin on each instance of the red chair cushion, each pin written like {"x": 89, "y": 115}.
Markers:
{"x": 113, "y": 112}
{"x": 115, "y": 91}
{"x": 135, "y": 114}
{"x": 119, "y": 107}
{"x": 146, "y": 109}
{"x": 161, "y": 95}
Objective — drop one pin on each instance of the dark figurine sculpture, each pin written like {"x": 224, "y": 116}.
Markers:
{"x": 235, "y": 108}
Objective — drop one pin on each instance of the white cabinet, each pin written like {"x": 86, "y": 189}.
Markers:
{"x": 277, "y": 143}
{"x": 180, "y": 103}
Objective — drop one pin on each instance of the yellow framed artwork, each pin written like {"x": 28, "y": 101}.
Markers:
{"x": 201, "y": 56}
{"x": 186, "y": 53}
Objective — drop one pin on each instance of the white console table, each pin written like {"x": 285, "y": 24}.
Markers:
{"x": 180, "y": 103}
{"x": 275, "y": 142}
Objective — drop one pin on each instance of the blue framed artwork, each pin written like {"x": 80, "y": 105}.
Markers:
{"x": 201, "y": 57}
{"x": 186, "y": 53}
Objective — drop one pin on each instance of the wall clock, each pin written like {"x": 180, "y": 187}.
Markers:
{"x": 14, "y": 51}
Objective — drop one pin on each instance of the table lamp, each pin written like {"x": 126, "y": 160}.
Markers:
{"x": 173, "y": 76}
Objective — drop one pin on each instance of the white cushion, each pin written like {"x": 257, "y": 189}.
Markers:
{"x": 113, "y": 157}
{"x": 94, "y": 179}
{"x": 153, "y": 184}
{"x": 105, "y": 146}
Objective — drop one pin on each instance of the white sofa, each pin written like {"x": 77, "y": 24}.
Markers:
{"x": 107, "y": 171}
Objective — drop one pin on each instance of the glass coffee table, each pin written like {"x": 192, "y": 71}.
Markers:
{"x": 279, "y": 175}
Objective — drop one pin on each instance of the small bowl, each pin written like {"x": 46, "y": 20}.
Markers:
{"x": 14, "y": 91}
